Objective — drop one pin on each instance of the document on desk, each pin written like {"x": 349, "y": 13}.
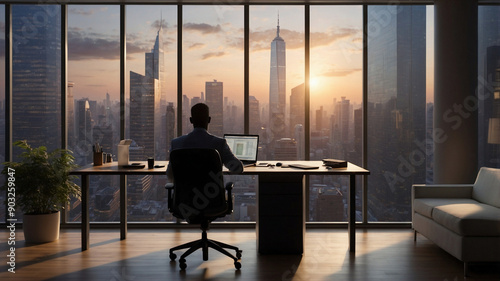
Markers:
{"x": 303, "y": 167}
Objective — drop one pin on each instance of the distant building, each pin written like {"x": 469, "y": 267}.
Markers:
{"x": 285, "y": 149}
{"x": 214, "y": 100}
{"x": 36, "y": 75}
{"x": 254, "y": 112}
{"x": 297, "y": 107}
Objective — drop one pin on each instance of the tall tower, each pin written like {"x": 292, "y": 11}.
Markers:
{"x": 396, "y": 109}
{"x": 155, "y": 63}
{"x": 36, "y": 75}
{"x": 277, "y": 85}
{"x": 214, "y": 100}
{"x": 145, "y": 101}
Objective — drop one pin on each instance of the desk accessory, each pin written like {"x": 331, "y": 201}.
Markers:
{"x": 304, "y": 167}
{"x": 334, "y": 163}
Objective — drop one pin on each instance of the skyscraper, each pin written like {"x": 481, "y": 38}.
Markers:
{"x": 297, "y": 107}
{"x": 36, "y": 75}
{"x": 145, "y": 101}
{"x": 277, "y": 87}
{"x": 145, "y": 121}
{"x": 255, "y": 122}
{"x": 84, "y": 136}
{"x": 214, "y": 100}
{"x": 155, "y": 63}
{"x": 396, "y": 108}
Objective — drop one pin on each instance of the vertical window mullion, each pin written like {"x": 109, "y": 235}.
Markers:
{"x": 364, "y": 182}
{"x": 246, "y": 98}
{"x": 179, "y": 70}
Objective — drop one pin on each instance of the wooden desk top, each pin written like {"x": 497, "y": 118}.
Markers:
{"x": 113, "y": 169}
{"x": 351, "y": 169}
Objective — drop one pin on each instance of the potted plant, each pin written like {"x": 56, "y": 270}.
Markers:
{"x": 43, "y": 187}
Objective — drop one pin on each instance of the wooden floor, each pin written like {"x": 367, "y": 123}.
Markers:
{"x": 382, "y": 254}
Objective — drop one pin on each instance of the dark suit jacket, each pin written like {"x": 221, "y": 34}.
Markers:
{"x": 200, "y": 138}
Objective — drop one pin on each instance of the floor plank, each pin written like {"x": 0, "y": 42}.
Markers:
{"x": 382, "y": 254}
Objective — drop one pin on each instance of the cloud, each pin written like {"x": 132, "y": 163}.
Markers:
{"x": 195, "y": 46}
{"x": 339, "y": 72}
{"x": 203, "y": 28}
{"x": 212, "y": 55}
{"x": 261, "y": 40}
{"x": 86, "y": 12}
{"x": 156, "y": 24}
{"x": 85, "y": 46}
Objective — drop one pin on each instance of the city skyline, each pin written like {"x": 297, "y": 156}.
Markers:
{"x": 335, "y": 49}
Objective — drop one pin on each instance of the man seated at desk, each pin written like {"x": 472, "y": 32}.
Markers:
{"x": 201, "y": 138}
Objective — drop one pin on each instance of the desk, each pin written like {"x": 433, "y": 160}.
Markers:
{"x": 281, "y": 205}
{"x": 111, "y": 169}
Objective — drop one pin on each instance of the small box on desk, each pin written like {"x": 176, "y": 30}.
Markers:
{"x": 123, "y": 152}
{"x": 335, "y": 163}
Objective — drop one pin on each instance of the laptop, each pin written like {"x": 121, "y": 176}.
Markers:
{"x": 244, "y": 147}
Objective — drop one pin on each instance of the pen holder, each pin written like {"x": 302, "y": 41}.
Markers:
{"x": 97, "y": 158}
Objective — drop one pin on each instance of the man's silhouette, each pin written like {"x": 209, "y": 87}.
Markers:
{"x": 201, "y": 138}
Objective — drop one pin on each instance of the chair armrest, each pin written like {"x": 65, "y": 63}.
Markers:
{"x": 170, "y": 190}
{"x": 229, "y": 188}
{"x": 441, "y": 191}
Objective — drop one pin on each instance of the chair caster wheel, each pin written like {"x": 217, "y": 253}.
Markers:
{"x": 182, "y": 264}
{"x": 237, "y": 265}
{"x": 238, "y": 254}
{"x": 173, "y": 256}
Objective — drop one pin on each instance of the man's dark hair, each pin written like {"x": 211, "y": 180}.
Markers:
{"x": 200, "y": 115}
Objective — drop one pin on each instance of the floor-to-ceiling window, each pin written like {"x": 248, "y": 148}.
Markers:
{"x": 336, "y": 91}
{"x": 488, "y": 90}
{"x": 213, "y": 73}
{"x": 396, "y": 106}
{"x": 151, "y": 102}
{"x": 93, "y": 100}
{"x": 276, "y": 90}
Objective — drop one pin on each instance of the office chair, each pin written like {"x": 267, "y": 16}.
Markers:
{"x": 198, "y": 197}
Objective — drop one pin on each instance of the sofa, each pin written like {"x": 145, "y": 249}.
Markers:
{"x": 462, "y": 219}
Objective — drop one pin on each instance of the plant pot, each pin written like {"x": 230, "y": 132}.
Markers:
{"x": 41, "y": 228}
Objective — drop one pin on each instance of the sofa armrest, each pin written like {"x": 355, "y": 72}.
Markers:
{"x": 441, "y": 191}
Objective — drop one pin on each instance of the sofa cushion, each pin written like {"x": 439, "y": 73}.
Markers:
{"x": 424, "y": 206}
{"x": 469, "y": 219}
{"x": 487, "y": 187}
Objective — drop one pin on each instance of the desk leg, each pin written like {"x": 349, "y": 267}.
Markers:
{"x": 352, "y": 214}
{"x": 123, "y": 207}
{"x": 85, "y": 212}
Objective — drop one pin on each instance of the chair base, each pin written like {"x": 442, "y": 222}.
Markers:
{"x": 204, "y": 243}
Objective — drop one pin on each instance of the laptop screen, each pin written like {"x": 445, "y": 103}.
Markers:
{"x": 244, "y": 147}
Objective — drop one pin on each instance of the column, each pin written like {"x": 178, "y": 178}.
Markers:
{"x": 455, "y": 99}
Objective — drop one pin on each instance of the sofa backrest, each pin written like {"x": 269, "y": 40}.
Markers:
{"x": 487, "y": 187}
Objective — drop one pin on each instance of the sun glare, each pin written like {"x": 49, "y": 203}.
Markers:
{"x": 313, "y": 82}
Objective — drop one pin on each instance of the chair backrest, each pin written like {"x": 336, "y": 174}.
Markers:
{"x": 198, "y": 184}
